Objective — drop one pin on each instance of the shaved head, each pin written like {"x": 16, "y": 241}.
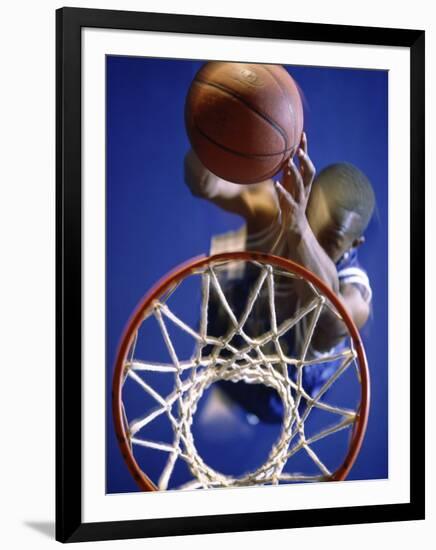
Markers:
{"x": 346, "y": 188}
{"x": 340, "y": 207}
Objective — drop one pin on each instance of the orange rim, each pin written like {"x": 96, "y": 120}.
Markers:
{"x": 179, "y": 273}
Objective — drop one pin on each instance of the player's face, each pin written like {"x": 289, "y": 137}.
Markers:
{"x": 334, "y": 228}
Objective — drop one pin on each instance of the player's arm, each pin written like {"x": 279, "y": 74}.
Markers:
{"x": 256, "y": 203}
{"x": 293, "y": 193}
{"x": 358, "y": 307}
{"x": 305, "y": 249}
{"x": 331, "y": 330}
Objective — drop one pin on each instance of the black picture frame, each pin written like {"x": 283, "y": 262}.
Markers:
{"x": 69, "y": 22}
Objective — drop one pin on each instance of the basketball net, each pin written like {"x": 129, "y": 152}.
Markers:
{"x": 249, "y": 363}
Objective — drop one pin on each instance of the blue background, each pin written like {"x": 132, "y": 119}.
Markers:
{"x": 154, "y": 223}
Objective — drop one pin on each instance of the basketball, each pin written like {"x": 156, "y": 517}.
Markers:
{"x": 243, "y": 120}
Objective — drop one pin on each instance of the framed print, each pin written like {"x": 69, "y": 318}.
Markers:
{"x": 240, "y": 225}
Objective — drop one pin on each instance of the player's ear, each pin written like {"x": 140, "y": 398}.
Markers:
{"x": 359, "y": 241}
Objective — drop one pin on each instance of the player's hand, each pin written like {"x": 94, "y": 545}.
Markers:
{"x": 294, "y": 189}
{"x": 196, "y": 175}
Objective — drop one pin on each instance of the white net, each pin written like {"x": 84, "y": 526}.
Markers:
{"x": 253, "y": 359}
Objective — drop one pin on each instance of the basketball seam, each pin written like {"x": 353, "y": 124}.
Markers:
{"x": 258, "y": 178}
{"x": 287, "y": 149}
{"x": 262, "y": 66}
{"x": 261, "y": 114}
{"x": 239, "y": 153}
{"x": 281, "y": 89}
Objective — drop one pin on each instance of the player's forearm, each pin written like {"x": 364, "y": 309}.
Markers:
{"x": 305, "y": 249}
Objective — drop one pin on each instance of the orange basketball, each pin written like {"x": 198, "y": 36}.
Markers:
{"x": 243, "y": 119}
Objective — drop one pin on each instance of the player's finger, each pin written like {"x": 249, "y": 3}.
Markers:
{"x": 308, "y": 169}
{"x": 302, "y": 146}
{"x": 303, "y": 143}
{"x": 284, "y": 195}
{"x": 293, "y": 180}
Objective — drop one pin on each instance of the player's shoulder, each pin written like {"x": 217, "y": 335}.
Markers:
{"x": 353, "y": 276}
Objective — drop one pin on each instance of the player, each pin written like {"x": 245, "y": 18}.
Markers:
{"x": 317, "y": 222}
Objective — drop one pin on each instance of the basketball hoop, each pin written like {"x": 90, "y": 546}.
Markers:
{"x": 260, "y": 359}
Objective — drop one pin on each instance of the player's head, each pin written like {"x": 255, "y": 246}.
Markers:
{"x": 340, "y": 207}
